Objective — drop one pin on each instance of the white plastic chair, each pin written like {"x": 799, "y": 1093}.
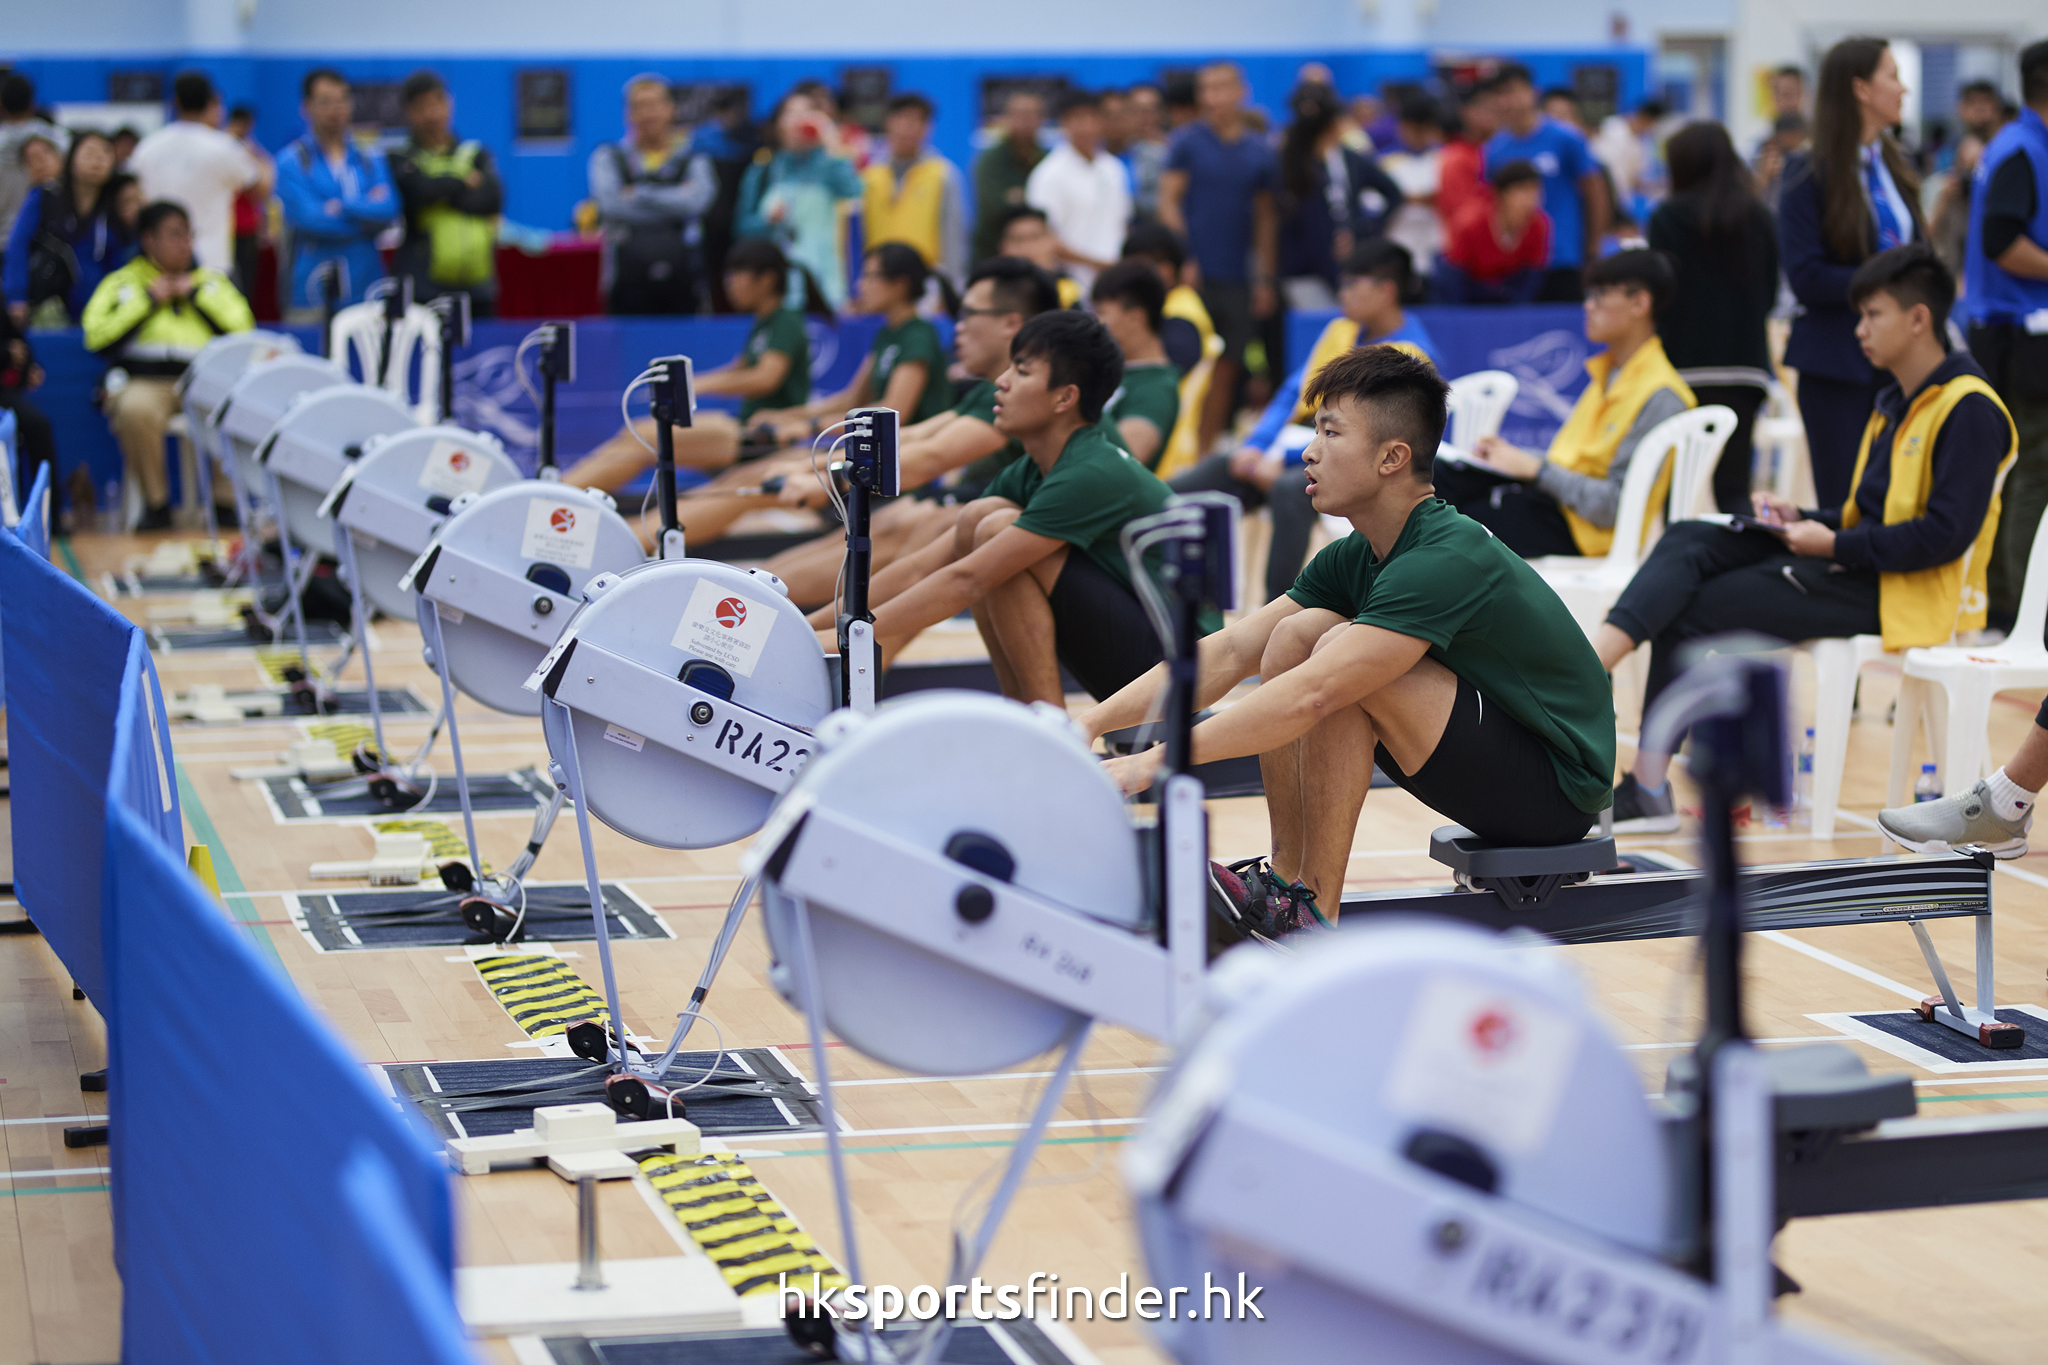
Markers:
{"x": 357, "y": 333}
{"x": 1479, "y": 402}
{"x": 1968, "y": 679}
{"x": 1692, "y": 441}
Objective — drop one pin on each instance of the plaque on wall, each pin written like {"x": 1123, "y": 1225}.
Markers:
{"x": 996, "y": 91}
{"x": 541, "y": 98}
{"x": 864, "y": 95}
{"x": 135, "y": 87}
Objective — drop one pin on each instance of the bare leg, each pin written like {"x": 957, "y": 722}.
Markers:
{"x": 1612, "y": 644}
{"x": 1290, "y": 645}
{"x": 2029, "y": 766}
{"x": 1016, "y": 623}
{"x": 811, "y": 571}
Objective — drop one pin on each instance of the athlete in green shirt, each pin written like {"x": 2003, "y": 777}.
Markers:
{"x": 1419, "y": 640}
{"x": 1130, "y": 299}
{"x": 1037, "y": 557}
{"x": 771, "y": 372}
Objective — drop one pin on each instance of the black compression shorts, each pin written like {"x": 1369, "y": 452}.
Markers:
{"x": 1100, "y": 628}
{"x": 1493, "y": 776}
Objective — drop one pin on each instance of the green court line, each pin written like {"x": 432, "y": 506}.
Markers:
{"x": 56, "y": 1189}
{"x": 1965, "y": 1099}
{"x": 944, "y": 1146}
{"x": 239, "y": 906}
{"x": 70, "y": 559}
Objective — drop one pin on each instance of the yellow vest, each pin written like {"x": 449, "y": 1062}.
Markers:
{"x": 906, "y": 212}
{"x": 1338, "y": 337}
{"x": 1184, "y": 303}
{"x": 1586, "y": 443}
{"x": 1928, "y": 606}
{"x": 462, "y": 246}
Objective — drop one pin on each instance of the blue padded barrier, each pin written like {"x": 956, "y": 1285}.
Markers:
{"x": 34, "y": 526}
{"x": 251, "y": 1222}
{"x": 141, "y": 769}
{"x": 67, "y": 654}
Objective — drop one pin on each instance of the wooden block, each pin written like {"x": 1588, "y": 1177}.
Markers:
{"x": 664, "y": 1294}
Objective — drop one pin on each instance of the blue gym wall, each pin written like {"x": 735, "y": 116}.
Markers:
{"x": 545, "y": 180}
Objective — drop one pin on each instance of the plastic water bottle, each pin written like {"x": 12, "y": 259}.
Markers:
{"x": 1802, "y": 780}
{"x": 1928, "y": 788}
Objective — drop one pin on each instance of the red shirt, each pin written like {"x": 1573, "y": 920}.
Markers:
{"x": 1462, "y": 188}
{"x": 1475, "y": 248}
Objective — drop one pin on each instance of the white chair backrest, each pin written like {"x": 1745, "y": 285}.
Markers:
{"x": 1702, "y": 435}
{"x": 357, "y": 334}
{"x": 1478, "y": 403}
{"x": 2033, "y": 613}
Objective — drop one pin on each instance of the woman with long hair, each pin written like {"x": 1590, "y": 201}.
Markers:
{"x": 1854, "y": 195}
{"x": 1723, "y": 246}
{"x": 66, "y": 238}
{"x": 1331, "y": 198}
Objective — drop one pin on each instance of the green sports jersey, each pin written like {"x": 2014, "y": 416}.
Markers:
{"x": 1095, "y": 489}
{"x": 782, "y": 330}
{"x": 1151, "y": 392}
{"x": 913, "y": 339}
{"x": 1491, "y": 620}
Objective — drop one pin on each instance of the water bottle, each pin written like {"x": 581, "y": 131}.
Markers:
{"x": 111, "y": 509}
{"x": 1928, "y": 788}
{"x": 1802, "y": 779}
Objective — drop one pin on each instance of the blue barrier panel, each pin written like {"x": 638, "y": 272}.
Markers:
{"x": 34, "y": 527}
{"x": 141, "y": 769}
{"x": 242, "y": 1234}
{"x": 1542, "y": 345}
{"x": 66, "y": 652}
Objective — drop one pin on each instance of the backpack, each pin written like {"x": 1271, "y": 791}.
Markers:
{"x": 651, "y": 266}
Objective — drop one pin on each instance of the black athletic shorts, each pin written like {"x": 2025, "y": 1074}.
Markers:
{"x": 1493, "y": 776}
{"x": 1100, "y": 628}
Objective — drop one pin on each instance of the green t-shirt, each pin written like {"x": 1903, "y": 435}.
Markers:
{"x": 980, "y": 403}
{"x": 1151, "y": 392}
{"x": 1095, "y": 488}
{"x": 782, "y": 330}
{"x": 914, "y": 339}
{"x": 1491, "y": 620}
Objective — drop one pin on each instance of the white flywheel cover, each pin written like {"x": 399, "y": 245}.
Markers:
{"x": 223, "y": 360}
{"x": 927, "y": 768}
{"x": 664, "y": 615}
{"x": 1365, "y": 1037}
{"x": 388, "y": 508}
{"x": 259, "y": 398}
{"x": 308, "y": 450}
{"x": 492, "y": 646}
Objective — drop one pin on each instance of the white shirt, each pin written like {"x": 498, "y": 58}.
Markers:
{"x": 201, "y": 169}
{"x": 1087, "y": 202}
{"x": 1416, "y": 226}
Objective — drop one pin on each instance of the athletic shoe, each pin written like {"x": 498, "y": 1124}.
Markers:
{"x": 155, "y": 519}
{"x": 1251, "y": 898}
{"x": 1640, "y": 812}
{"x": 1963, "y": 821}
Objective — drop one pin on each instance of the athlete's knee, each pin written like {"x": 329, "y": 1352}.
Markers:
{"x": 995, "y": 523}
{"x": 970, "y": 518}
{"x": 1292, "y": 641}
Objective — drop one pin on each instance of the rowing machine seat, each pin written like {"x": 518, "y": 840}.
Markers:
{"x": 1818, "y": 1087}
{"x": 1524, "y": 878}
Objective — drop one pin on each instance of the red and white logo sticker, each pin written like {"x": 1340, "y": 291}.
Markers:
{"x": 727, "y": 628}
{"x": 451, "y": 471}
{"x": 731, "y": 613}
{"x": 562, "y": 521}
{"x": 1493, "y": 1032}
{"x": 560, "y": 534}
{"x": 458, "y": 460}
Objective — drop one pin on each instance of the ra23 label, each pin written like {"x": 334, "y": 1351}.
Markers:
{"x": 775, "y": 754}
{"x": 1603, "y": 1317}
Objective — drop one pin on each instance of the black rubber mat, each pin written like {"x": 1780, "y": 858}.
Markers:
{"x": 393, "y": 701}
{"x": 234, "y": 637}
{"x": 973, "y": 1343}
{"x": 293, "y": 799}
{"x": 145, "y": 586}
{"x": 1949, "y": 1045}
{"x": 428, "y": 917}
{"x": 754, "y": 1092}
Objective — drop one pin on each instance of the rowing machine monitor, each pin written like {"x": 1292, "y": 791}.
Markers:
{"x": 453, "y": 311}
{"x": 557, "y": 366}
{"x": 871, "y": 472}
{"x": 672, "y": 401}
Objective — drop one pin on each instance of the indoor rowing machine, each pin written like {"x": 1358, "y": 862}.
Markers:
{"x": 201, "y": 390}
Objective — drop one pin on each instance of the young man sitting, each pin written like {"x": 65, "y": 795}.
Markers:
{"x": 1131, "y": 302}
{"x": 1499, "y": 253}
{"x": 1266, "y": 470}
{"x": 1037, "y": 557}
{"x": 1187, "y": 330}
{"x": 1419, "y": 640}
{"x": 1906, "y": 557}
{"x": 1002, "y": 294}
{"x": 1564, "y": 502}
{"x": 1027, "y": 232}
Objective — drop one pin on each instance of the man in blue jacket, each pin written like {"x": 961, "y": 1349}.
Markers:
{"x": 336, "y": 196}
{"x": 2005, "y": 271}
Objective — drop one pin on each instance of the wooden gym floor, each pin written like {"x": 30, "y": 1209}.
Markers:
{"x": 1963, "y": 1285}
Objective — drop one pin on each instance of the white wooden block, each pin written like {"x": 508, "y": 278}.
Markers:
{"x": 608, "y": 1165}
{"x": 554, "y": 1122}
{"x": 664, "y": 1294}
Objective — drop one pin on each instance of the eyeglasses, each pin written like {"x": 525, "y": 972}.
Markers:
{"x": 966, "y": 312}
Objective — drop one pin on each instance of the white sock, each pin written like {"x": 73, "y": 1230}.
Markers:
{"x": 2008, "y": 798}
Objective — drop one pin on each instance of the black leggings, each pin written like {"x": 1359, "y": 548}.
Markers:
{"x": 1704, "y": 579}
{"x": 1521, "y": 516}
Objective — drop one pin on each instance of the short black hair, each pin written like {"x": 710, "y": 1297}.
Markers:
{"x": 909, "y": 99}
{"x": 1016, "y": 211}
{"x": 1560, "y": 92}
{"x": 2034, "y": 73}
{"x": 903, "y": 263}
{"x": 1078, "y": 350}
{"x": 21, "y": 149}
{"x": 315, "y": 76}
{"x": 1156, "y": 241}
{"x": 1079, "y": 99}
{"x": 17, "y": 94}
{"x": 1980, "y": 86}
{"x": 1652, "y": 109}
{"x": 1420, "y": 109}
{"x": 192, "y": 92}
{"x": 420, "y": 84}
{"x": 1016, "y": 285}
{"x": 154, "y": 216}
{"x": 1640, "y": 270}
{"x": 1134, "y": 284}
{"x": 1796, "y": 72}
{"x": 1912, "y": 275}
{"x": 1385, "y": 260}
{"x": 1511, "y": 173}
{"x": 1510, "y": 74}
{"x": 247, "y": 111}
{"x": 1408, "y": 400}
